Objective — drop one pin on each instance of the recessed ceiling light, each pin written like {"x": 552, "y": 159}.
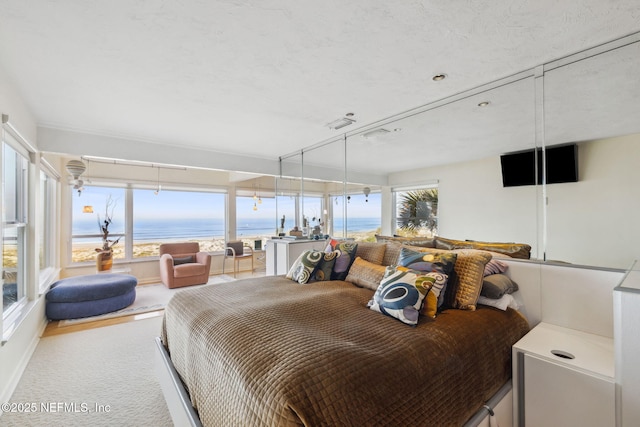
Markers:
{"x": 375, "y": 132}
{"x": 439, "y": 77}
{"x": 483, "y": 104}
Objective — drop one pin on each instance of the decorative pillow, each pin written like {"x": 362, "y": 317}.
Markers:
{"x": 371, "y": 251}
{"x": 513, "y": 250}
{"x": 442, "y": 263}
{"x": 495, "y": 266}
{"x": 325, "y": 266}
{"x": 400, "y": 295}
{"x": 465, "y": 282}
{"x": 496, "y": 285}
{"x": 346, "y": 256}
{"x": 183, "y": 260}
{"x": 432, "y": 301}
{"x": 470, "y": 271}
{"x": 365, "y": 274}
{"x": 507, "y": 301}
{"x": 391, "y": 253}
{"x": 302, "y": 269}
{"x": 425, "y": 242}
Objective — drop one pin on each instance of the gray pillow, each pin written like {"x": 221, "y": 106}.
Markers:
{"x": 183, "y": 260}
{"x": 495, "y": 286}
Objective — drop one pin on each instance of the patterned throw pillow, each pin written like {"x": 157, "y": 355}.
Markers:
{"x": 431, "y": 302}
{"x": 443, "y": 263}
{"x": 301, "y": 270}
{"x": 400, "y": 295}
{"x": 325, "y": 267}
{"x": 346, "y": 256}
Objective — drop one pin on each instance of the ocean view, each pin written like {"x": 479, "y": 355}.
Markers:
{"x": 168, "y": 229}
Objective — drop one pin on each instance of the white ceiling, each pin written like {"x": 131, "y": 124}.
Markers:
{"x": 263, "y": 78}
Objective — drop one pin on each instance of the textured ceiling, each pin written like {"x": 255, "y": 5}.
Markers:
{"x": 263, "y": 78}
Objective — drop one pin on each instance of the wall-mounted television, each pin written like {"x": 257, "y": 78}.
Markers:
{"x": 561, "y": 166}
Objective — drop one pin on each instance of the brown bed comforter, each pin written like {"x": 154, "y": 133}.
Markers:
{"x": 268, "y": 351}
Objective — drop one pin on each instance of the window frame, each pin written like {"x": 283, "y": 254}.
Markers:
{"x": 20, "y": 223}
{"x": 47, "y": 220}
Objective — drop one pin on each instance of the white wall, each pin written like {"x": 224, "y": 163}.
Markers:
{"x": 12, "y": 104}
{"x": 595, "y": 221}
{"x": 15, "y": 353}
{"x": 473, "y": 204}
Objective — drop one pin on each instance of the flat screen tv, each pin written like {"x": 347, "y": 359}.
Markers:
{"x": 561, "y": 166}
{"x": 518, "y": 168}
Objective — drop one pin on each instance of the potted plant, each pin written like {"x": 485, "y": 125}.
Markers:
{"x": 104, "y": 257}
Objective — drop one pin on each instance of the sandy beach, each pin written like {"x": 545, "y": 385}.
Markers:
{"x": 85, "y": 252}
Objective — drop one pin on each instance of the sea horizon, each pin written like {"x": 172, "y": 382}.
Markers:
{"x": 176, "y": 228}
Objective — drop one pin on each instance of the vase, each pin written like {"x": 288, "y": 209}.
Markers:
{"x": 104, "y": 260}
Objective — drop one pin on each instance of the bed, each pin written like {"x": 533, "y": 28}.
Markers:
{"x": 270, "y": 351}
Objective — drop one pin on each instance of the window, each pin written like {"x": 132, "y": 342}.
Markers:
{"x": 156, "y": 217}
{"x": 313, "y": 211}
{"x": 363, "y": 219}
{"x": 364, "y": 216}
{"x": 256, "y": 218}
{"x": 177, "y": 215}
{"x": 14, "y": 227}
{"x": 87, "y": 210}
{"x": 46, "y": 219}
{"x": 417, "y": 212}
{"x": 287, "y": 210}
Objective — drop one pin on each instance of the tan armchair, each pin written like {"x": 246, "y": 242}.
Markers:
{"x": 236, "y": 251}
{"x": 182, "y": 264}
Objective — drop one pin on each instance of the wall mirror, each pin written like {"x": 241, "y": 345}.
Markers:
{"x": 288, "y": 186}
{"x": 457, "y": 143}
{"x": 593, "y": 100}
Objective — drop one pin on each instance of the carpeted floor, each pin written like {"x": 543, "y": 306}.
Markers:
{"x": 97, "y": 377}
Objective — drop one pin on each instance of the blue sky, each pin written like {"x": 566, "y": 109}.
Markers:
{"x": 185, "y": 204}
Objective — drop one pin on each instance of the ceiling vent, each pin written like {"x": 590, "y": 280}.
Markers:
{"x": 341, "y": 122}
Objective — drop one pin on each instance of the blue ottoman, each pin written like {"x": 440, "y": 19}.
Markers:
{"x": 91, "y": 295}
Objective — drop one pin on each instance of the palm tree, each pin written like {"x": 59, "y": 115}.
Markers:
{"x": 418, "y": 210}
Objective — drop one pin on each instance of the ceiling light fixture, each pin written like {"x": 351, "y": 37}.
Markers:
{"x": 439, "y": 77}
{"x": 483, "y": 104}
{"x": 76, "y": 168}
{"x": 366, "y": 191}
{"x": 376, "y": 132}
{"x": 159, "y": 186}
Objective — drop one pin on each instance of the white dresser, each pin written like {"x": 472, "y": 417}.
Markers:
{"x": 563, "y": 377}
{"x": 282, "y": 253}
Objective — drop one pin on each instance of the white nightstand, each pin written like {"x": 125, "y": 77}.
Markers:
{"x": 563, "y": 377}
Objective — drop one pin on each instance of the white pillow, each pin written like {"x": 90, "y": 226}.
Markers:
{"x": 507, "y": 300}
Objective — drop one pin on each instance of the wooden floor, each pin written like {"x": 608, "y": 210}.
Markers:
{"x": 53, "y": 329}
